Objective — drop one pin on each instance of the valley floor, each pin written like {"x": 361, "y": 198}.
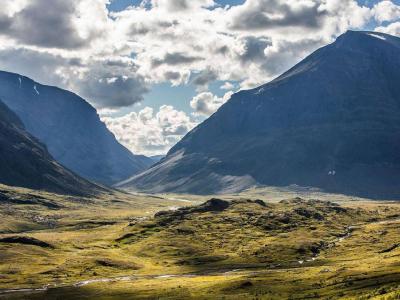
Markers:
{"x": 285, "y": 246}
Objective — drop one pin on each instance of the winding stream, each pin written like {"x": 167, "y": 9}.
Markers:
{"x": 233, "y": 272}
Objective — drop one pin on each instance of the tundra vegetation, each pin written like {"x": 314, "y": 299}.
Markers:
{"x": 259, "y": 244}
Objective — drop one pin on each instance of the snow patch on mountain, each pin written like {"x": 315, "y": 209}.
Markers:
{"x": 36, "y": 90}
{"x": 377, "y": 36}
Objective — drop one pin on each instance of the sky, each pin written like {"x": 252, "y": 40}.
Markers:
{"x": 154, "y": 69}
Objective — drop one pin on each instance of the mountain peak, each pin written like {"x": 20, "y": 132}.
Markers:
{"x": 365, "y": 39}
{"x": 25, "y": 162}
{"x": 71, "y": 130}
{"x": 330, "y": 122}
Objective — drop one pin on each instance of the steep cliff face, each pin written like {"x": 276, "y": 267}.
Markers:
{"x": 332, "y": 122}
{"x": 71, "y": 130}
{"x": 25, "y": 162}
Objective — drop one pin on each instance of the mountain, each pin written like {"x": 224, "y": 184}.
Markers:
{"x": 156, "y": 158}
{"x": 25, "y": 162}
{"x": 331, "y": 122}
{"x": 71, "y": 130}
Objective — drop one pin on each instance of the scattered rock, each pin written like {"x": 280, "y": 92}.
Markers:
{"x": 246, "y": 284}
{"x": 105, "y": 262}
{"x": 296, "y": 200}
{"x": 338, "y": 209}
{"x": 26, "y": 241}
{"x": 213, "y": 205}
{"x": 184, "y": 230}
{"x": 260, "y": 202}
{"x": 284, "y": 218}
{"x": 309, "y": 214}
{"x": 325, "y": 271}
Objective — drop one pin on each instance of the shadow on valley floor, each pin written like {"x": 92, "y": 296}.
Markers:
{"x": 253, "y": 246}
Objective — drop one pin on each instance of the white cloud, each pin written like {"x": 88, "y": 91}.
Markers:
{"x": 229, "y": 43}
{"x": 178, "y": 41}
{"x": 74, "y": 45}
{"x": 270, "y": 14}
{"x": 109, "y": 89}
{"x": 227, "y": 86}
{"x": 150, "y": 133}
{"x": 62, "y": 25}
{"x": 113, "y": 59}
{"x": 207, "y": 103}
{"x": 386, "y": 11}
{"x": 393, "y": 29}
{"x": 181, "y": 5}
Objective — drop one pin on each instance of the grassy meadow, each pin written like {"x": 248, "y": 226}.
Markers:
{"x": 260, "y": 244}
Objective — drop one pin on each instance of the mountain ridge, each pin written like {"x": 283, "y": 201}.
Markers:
{"x": 329, "y": 122}
{"x": 25, "y": 162}
{"x": 71, "y": 129}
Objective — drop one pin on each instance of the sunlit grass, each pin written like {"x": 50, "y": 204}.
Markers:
{"x": 246, "y": 251}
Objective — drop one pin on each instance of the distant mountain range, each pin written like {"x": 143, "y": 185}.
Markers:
{"x": 156, "y": 158}
{"x": 25, "y": 162}
{"x": 71, "y": 130}
{"x": 331, "y": 122}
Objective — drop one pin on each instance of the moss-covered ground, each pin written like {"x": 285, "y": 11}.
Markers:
{"x": 260, "y": 244}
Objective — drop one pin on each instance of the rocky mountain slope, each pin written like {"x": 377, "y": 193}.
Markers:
{"x": 331, "y": 122}
{"x": 25, "y": 162}
{"x": 71, "y": 130}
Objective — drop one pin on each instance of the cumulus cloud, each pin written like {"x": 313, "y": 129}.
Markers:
{"x": 181, "y": 5}
{"x": 393, "y": 29}
{"x": 98, "y": 84}
{"x": 113, "y": 90}
{"x": 267, "y": 14}
{"x": 35, "y": 64}
{"x": 227, "y": 86}
{"x": 202, "y": 80}
{"x": 181, "y": 41}
{"x": 175, "y": 59}
{"x": 150, "y": 133}
{"x": 114, "y": 58}
{"x": 55, "y": 25}
{"x": 229, "y": 43}
{"x": 253, "y": 49}
{"x": 177, "y": 78}
{"x": 207, "y": 103}
{"x": 386, "y": 11}
{"x": 47, "y": 27}
{"x": 279, "y": 53}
